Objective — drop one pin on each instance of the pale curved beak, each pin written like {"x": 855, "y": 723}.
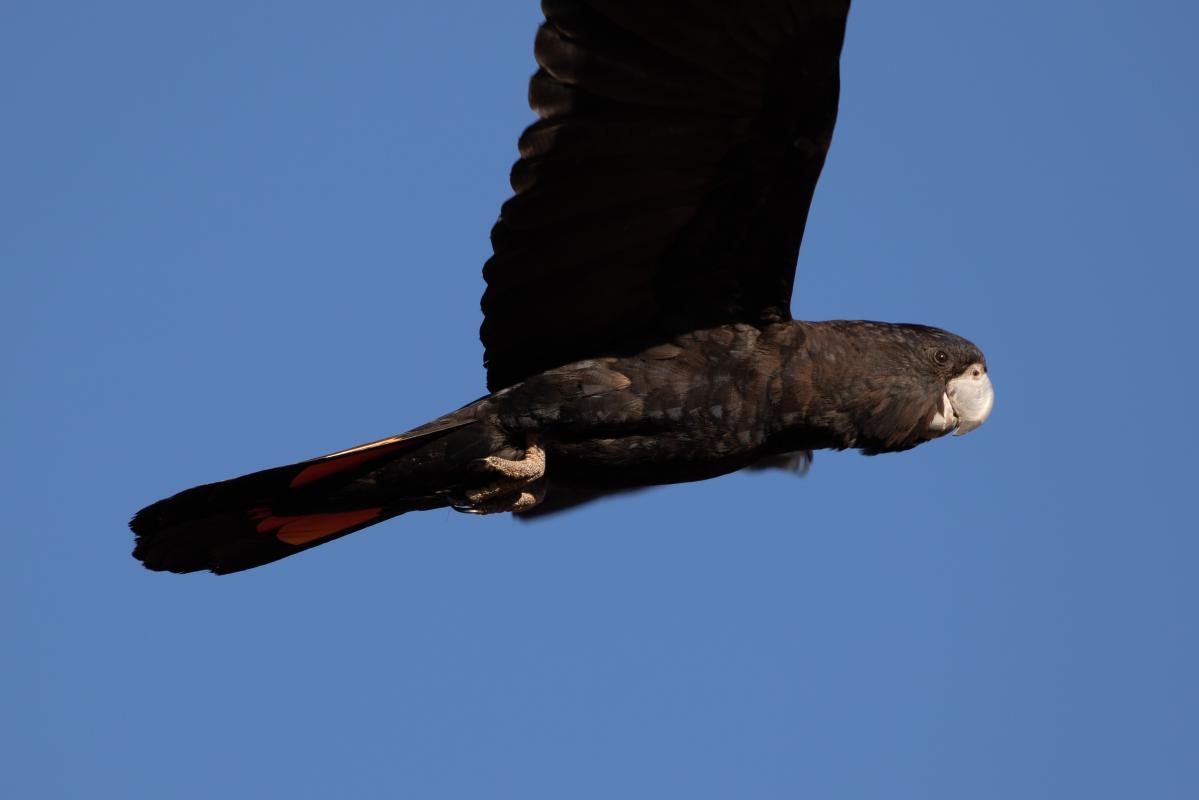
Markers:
{"x": 972, "y": 398}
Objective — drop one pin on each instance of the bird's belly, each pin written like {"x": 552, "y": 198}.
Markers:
{"x": 649, "y": 459}
{"x": 643, "y": 420}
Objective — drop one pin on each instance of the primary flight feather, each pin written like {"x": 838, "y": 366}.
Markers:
{"x": 637, "y": 313}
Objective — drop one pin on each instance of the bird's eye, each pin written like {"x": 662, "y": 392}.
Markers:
{"x": 940, "y": 356}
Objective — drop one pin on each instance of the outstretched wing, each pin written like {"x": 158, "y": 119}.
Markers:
{"x": 667, "y": 182}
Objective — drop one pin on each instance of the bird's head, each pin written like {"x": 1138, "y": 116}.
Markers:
{"x": 915, "y": 383}
{"x": 960, "y": 372}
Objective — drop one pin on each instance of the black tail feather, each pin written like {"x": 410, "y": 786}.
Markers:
{"x": 258, "y": 518}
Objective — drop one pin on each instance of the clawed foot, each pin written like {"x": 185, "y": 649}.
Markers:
{"x": 519, "y": 486}
{"x": 519, "y": 500}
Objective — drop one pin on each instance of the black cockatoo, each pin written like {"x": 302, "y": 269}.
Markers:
{"x": 637, "y": 325}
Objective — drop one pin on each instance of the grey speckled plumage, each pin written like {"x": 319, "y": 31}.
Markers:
{"x": 637, "y": 325}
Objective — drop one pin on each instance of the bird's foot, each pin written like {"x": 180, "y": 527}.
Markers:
{"x": 514, "y": 501}
{"x": 519, "y": 488}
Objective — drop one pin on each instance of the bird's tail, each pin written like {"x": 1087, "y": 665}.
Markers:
{"x": 264, "y": 516}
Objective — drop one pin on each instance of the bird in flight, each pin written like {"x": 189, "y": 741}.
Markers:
{"x": 637, "y": 326}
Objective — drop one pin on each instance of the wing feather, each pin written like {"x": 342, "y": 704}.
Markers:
{"x": 666, "y": 184}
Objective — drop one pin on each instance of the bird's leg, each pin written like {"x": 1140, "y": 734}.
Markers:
{"x": 519, "y": 487}
{"x": 514, "y": 501}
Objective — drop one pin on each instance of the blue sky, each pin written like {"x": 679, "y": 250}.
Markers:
{"x": 237, "y": 235}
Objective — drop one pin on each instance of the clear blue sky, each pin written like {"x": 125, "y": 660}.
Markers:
{"x": 241, "y": 234}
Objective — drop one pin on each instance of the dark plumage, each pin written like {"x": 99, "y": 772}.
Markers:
{"x": 637, "y": 324}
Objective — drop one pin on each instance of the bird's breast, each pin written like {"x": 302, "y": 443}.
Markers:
{"x": 648, "y": 419}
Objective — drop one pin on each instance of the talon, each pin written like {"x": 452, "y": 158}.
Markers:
{"x": 529, "y": 468}
{"x": 521, "y": 500}
{"x": 520, "y": 486}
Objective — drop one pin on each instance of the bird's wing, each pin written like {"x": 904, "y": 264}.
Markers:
{"x": 666, "y": 182}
